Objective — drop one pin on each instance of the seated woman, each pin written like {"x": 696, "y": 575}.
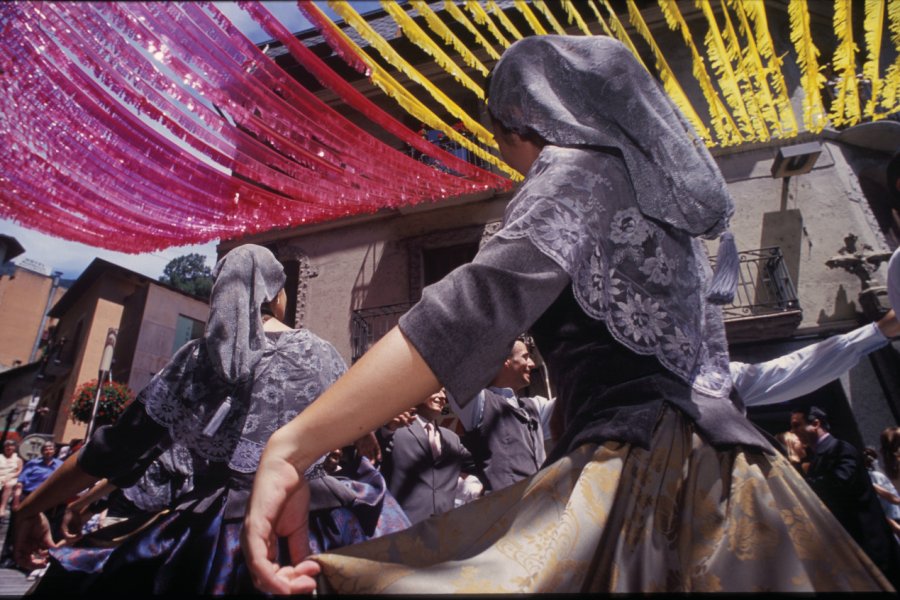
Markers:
{"x": 220, "y": 397}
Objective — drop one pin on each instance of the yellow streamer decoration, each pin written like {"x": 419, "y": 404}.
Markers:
{"x": 756, "y": 12}
{"x": 410, "y": 103}
{"x": 872, "y": 26}
{"x": 574, "y": 16}
{"x": 721, "y": 65}
{"x": 461, "y": 17}
{"x": 608, "y": 31}
{"x": 346, "y": 11}
{"x": 742, "y": 73}
{"x": 752, "y": 64}
{"x": 891, "y": 90}
{"x": 670, "y": 83}
{"x": 423, "y": 114}
{"x": 415, "y": 34}
{"x": 387, "y": 84}
{"x": 504, "y": 20}
{"x": 545, "y": 10}
{"x": 845, "y": 107}
{"x": 482, "y": 18}
{"x": 523, "y": 8}
{"x": 807, "y": 58}
{"x": 722, "y": 123}
{"x": 440, "y": 29}
{"x": 623, "y": 36}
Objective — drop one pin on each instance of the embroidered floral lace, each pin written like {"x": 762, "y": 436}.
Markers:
{"x": 295, "y": 369}
{"x": 646, "y": 281}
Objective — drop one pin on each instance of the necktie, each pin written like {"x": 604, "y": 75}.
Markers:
{"x": 434, "y": 440}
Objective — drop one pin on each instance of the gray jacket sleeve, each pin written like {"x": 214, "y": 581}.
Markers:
{"x": 465, "y": 324}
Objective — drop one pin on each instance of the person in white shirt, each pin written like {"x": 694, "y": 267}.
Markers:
{"x": 506, "y": 433}
{"x": 10, "y": 467}
{"x": 806, "y": 370}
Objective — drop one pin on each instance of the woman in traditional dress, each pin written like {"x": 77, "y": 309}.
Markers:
{"x": 658, "y": 483}
{"x": 219, "y": 398}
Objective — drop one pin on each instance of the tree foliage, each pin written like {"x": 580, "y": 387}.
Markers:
{"x": 190, "y": 274}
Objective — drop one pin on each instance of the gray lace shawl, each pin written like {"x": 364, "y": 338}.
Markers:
{"x": 223, "y": 396}
{"x": 631, "y": 250}
{"x": 294, "y": 369}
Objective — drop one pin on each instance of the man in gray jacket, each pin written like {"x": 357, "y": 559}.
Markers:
{"x": 422, "y": 461}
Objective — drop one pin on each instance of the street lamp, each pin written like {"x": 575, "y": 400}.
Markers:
{"x": 105, "y": 366}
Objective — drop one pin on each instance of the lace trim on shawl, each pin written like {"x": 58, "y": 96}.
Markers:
{"x": 646, "y": 282}
{"x": 167, "y": 478}
{"x": 295, "y": 369}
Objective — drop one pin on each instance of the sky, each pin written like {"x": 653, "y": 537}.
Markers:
{"x": 71, "y": 258}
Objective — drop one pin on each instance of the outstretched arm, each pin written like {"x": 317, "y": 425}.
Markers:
{"x": 77, "y": 510}
{"x": 29, "y": 529}
{"x": 390, "y": 378}
{"x": 806, "y": 370}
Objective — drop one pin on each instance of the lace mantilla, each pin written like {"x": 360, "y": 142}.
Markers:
{"x": 167, "y": 478}
{"x": 646, "y": 281}
{"x": 295, "y": 369}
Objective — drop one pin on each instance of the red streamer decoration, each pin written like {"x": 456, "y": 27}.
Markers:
{"x": 138, "y": 126}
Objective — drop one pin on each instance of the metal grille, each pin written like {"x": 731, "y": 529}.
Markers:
{"x": 368, "y": 325}
{"x": 764, "y": 286}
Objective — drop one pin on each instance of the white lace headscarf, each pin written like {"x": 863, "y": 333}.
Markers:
{"x": 244, "y": 278}
{"x": 222, "y": 397}
{"x": 590, "y": 91}
{"x": 633, "y": 254}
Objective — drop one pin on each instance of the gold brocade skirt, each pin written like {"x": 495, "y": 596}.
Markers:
{"x": 682, "y": 516}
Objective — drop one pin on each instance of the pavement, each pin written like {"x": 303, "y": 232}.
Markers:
{"x": 13, "y": 582}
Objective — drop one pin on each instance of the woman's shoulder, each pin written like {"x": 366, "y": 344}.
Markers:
{"x": 559, "y": 165}
{"x": 578, "y": 157}
{"x": 302, "y": 339}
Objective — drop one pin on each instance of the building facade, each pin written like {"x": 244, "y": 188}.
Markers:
{"x": 152, "y": 320}
{"x": 28, "y": 291}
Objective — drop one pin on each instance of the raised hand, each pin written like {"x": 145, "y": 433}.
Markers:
{"x": 32, "y": 540}
{"x": 278, "y": 507}
{"x": 368, "y": 446}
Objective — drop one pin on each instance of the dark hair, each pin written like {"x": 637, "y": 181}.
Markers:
{"x": 526, "y": 133}
{"x": 527, "y": 340}
{"x": 814, "y": 413}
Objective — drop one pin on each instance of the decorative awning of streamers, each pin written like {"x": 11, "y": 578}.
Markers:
{"x": 137, "y": 126}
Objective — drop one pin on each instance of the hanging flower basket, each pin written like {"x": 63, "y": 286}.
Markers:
{"x": 113, "y": 399}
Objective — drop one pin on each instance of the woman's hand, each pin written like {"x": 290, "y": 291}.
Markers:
{"x": 368, "y": 446}
{"x": 404, "y": 419}
{"x": 72, "y": 523}
{"x": 889, "y": 325}
{"x": 278, "y": 507}
{"x": 32, "y": 539}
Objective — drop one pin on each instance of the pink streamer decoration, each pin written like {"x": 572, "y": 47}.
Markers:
{"x": 90, "y": 87}
{"x": 354, "y": 98}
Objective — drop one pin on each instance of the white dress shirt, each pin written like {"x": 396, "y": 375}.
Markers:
{"x": 806, "y": 370}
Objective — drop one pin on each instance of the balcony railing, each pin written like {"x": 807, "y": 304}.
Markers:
{"x": 441, "y": 141}
{"x": 764, "y": 286}
{"x": 764, "y": 290}
{"x": 368, "y": 325}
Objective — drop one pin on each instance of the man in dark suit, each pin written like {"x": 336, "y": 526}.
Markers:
{"x": 838, "y": 475}
{"x": 505, "y": 432}
{"x": 422, "y": 461}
